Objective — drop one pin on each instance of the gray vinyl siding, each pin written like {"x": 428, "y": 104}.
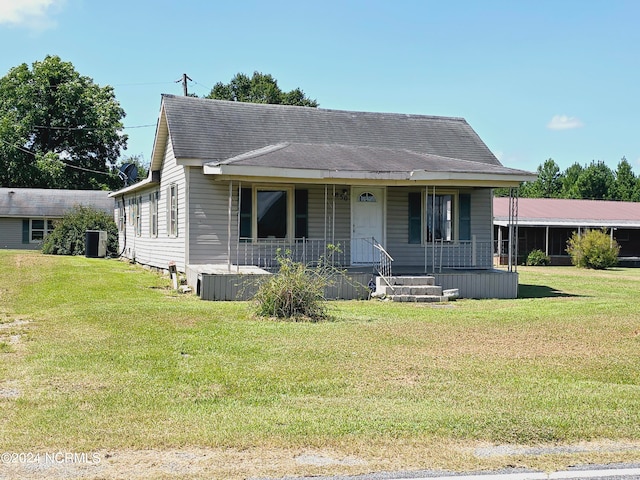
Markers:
{"x": 161, "y": 250}
{"x": 209, "y": 218}
{"x": 11, "y": 235}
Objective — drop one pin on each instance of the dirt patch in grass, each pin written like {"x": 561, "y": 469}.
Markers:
{"x": 220, "y": 463}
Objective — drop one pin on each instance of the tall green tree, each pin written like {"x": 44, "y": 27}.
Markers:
{"x": 547, "y": 185}
{"x": 58, "y": 129}
{"x": 595, "y": 182}
{"x": 259, "y": 88}
{"x": 626, "y": 183}
{"x": 569, "y": 179}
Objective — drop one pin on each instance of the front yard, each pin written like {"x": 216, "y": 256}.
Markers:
{"x": 100, "y": 356}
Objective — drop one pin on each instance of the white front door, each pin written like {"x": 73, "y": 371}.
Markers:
{"x": 367, "y": 222}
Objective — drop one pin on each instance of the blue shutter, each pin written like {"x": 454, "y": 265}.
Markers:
{"x": 25, "y": 230}
{"x": 465, "y": 216}
{"x": 415, "y": 217}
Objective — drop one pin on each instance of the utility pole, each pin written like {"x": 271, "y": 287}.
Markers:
{"x": 184, "y": 79}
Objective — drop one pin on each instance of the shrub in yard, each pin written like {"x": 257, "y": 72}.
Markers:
{"x": 537, "y": 258}
{"x": 69, "y": 233}
{"x": 296, "y": 291}
{"x": 593, "y": 249}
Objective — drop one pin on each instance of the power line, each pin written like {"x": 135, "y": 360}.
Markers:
{"x": 22, "y": 149}
{"x": 44, "y": 127}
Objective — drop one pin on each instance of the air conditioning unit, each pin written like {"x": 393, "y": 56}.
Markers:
{"x": 95, "y": 244}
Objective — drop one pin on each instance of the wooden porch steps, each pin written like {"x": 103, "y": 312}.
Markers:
{"x": 414, "y": 289}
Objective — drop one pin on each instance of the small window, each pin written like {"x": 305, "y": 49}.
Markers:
{"x": 367, "y": 197}
{"x": 40, "y": 229}
{"x": 121, "y": 215}
{"x": 172, "y": 210}
{"x": 138, "y": 216}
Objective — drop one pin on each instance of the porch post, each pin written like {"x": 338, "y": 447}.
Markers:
{"x": 433, "y": 230}
{"x": 229, "y": 226}
{"x": 333, "y": 217}
{"x": 325, "y": 219}
{"x": 611, "y": 241}
{"x": 546, "y": 242}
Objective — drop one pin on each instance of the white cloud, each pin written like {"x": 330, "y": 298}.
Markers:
{"x": 34, "y": 14}
{"x": 564, "y": 122}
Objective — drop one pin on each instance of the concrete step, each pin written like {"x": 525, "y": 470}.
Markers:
{"x": 419, "y": 298}
{"x": 409, "y": 281}
{"x": 451, "y": 293}
{"x": 412, "y": 290}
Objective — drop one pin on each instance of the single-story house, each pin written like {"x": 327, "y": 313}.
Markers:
{"x": 27, "y": 214}
{"x": 547, "y": 224}
{"x": 230, "y": 184}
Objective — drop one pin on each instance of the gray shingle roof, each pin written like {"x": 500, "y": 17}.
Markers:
{"x": 356, "y": 158}
{"x": 52, "y": 203}
{"x": 215, "y": 130}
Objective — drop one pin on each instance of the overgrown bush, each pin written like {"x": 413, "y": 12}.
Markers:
{"x": 69, "y": 233}
{"x": 537, "y": 258}
{"x": 296, "y": 291}
{"x": 593, "y": 249}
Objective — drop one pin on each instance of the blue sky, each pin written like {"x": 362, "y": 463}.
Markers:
{"x": 536, "y": 79}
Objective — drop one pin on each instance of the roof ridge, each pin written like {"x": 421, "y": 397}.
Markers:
{"x": 318, "y": 109}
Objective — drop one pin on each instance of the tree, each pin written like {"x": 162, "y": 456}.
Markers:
{"x": 260, "y": 88}
{"x": 595, "y": 182}
{"x": 625, "y": 186}
{"x": 58, "y": 129}
{"x": 569, "y": 179}
{"x": 547, "y": 185}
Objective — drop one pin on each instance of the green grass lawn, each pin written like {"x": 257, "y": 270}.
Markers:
{"x": 104, "y": 356}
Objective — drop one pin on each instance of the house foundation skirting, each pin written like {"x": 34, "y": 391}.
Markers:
{"x": 216, "y": 285}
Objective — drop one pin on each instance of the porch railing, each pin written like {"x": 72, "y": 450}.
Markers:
{"x": 443, "y": 255}
{"x": 264, "y": 253}
{"x": 467, "y": 254}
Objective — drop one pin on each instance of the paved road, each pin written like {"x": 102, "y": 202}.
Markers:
{"x": 602, "y": 472}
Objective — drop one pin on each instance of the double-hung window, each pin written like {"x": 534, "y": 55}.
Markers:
{"x": 172, "y": 210}
{"x": 273, "y": 212}
{"x": 444, "y": 216}
{"x": 439, "y": 217}
{"x": 138, "y": 216}
{"x": 121, "y": 215}
{"x": 153, "y": 214}
{"x": 39, "y": 229}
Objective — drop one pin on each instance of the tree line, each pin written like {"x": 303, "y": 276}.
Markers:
{"x": 595, "y": 181}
